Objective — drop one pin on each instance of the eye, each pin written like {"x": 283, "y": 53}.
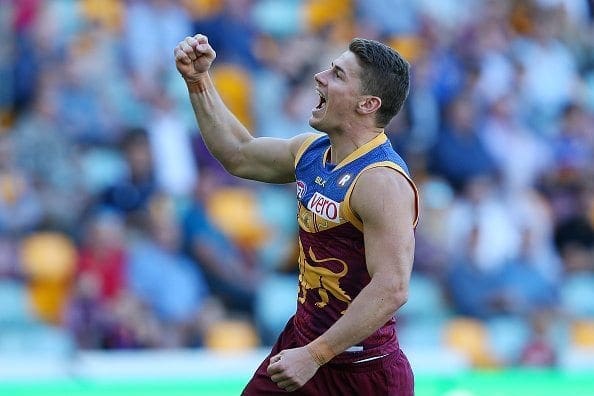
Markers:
{"x": 337, "y": 74}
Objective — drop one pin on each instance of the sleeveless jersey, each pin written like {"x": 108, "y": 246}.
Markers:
{"x": 332, "y": 267}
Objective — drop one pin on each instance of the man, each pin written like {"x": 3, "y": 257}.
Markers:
{"x": 357, "y": 208}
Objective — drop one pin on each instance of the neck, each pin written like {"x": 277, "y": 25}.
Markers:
{"x": 343, "y": 144}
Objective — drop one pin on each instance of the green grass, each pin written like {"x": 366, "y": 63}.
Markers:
{"x": 503, "y": 383}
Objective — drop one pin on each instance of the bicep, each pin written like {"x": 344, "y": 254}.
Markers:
{"x": 269, "y": 159}
{"x": 385, "y": 202}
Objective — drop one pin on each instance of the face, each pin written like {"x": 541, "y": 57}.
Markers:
{"x": 339, "y": 90}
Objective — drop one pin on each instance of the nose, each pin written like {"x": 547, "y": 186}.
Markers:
{"x": 318, "y": 78}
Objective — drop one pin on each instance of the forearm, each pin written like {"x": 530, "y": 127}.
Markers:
{"x": 222, "y": 133}
{"x": 370, "y": 310}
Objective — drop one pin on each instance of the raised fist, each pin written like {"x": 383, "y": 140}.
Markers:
{"x": 193, "y": 57}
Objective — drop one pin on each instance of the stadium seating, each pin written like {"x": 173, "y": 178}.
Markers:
{"x": 471, "y": 338}
{"x": 49, "y": 261}
{"x": 231, "y": 335}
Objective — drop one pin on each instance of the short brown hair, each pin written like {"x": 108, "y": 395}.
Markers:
{"x": 385, "y": 74}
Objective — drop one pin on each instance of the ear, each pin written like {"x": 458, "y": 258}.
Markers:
{"x": 368, "y": 104}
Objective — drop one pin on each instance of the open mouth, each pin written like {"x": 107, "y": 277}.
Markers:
{"x": 322, "y": 102}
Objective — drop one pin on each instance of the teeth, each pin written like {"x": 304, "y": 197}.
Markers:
{"x": 322, "y": 99}
{"x": 322, "y": 102}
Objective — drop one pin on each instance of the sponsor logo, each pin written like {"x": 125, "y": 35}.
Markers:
{"x": 343, "y": 180}
{"x": 320, "y": 182}
{"x": 324, "y": 207}
{"x": 301, "y": 189}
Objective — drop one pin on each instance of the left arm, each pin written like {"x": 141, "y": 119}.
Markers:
{"x": 385, "y": 202}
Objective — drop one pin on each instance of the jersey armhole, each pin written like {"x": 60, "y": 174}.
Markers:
{"x": 304, "y": 146}
{"x": 353, "y": 218}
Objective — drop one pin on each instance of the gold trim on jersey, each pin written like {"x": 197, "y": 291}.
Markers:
{"x": 352, "y": 217}
{"x": 308, "y": 141}
{"x": 312, "y": 223}
{"x": 367, "y": 147}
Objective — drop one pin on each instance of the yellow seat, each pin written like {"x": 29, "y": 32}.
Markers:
{"x": 6, "y": 120}
{"x": 202, "y": 9}
{"x": 235, "y": 87}
{"x": 582, "y": 333}
{"x": 235, "y": 211}
{"x": 231, "y": 335}
{"x": 49, "y": 261}
{"x": 410, "y": 47}
{"x": 470, "y": 337}
{"x": 323, "y": 13}
{"x": 107, "y": 13}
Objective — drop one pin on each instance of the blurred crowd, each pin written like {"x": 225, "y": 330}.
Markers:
{"x": 118, "y": 229}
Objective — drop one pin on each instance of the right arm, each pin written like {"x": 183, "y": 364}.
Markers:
{"x": 264, "y": 159}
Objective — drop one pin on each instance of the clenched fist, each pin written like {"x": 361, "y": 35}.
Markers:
{"x": 292, "y": 368}
{"x": 193, "y": 57}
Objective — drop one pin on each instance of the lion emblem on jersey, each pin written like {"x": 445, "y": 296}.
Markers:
{"x": 320, "y": 279}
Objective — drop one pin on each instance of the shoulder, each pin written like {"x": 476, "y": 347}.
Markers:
{"x": 302, "y": 142}
{"x": 382, "y": 191}
{"x": 384, "y": 179}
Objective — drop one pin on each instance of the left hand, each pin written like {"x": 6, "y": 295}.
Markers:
{"x": 290, "y": 369}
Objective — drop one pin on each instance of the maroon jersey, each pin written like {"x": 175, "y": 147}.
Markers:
{"x": 332, "y": 266}
{"x": 332, "y": 272}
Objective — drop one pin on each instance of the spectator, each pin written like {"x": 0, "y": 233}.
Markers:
{"x": 100, "y": 287}
{"x": 473, "y": 288}
{"x": 131, "y": 194}
{"x": 458, "y": 154}
{"x": 170, "y": 284}
{"x": 521, "y": 157}
{"x": 229, "y": 271}
{"x": 20, "y": 204}
{"x": 523, "y": 283}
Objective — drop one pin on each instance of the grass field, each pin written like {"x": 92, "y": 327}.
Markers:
{"x": 502, "y": 383}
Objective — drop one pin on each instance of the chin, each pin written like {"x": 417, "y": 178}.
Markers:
{"x": 313, "y": 123}
{"x": 316, "y": 124}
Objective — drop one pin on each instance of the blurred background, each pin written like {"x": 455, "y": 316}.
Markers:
{"x": 127, "y": 253}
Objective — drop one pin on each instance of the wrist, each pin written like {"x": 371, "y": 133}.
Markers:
{"x": 320, "y": 351}
{"x": 198, "y": 84}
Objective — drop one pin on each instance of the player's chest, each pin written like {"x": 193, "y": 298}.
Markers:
{"x": 322, "y": 192}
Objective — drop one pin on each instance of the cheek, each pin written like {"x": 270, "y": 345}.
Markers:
{"x": 345, "y": 104}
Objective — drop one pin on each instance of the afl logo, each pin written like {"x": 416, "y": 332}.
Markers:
{"x": 301, "y": 189}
